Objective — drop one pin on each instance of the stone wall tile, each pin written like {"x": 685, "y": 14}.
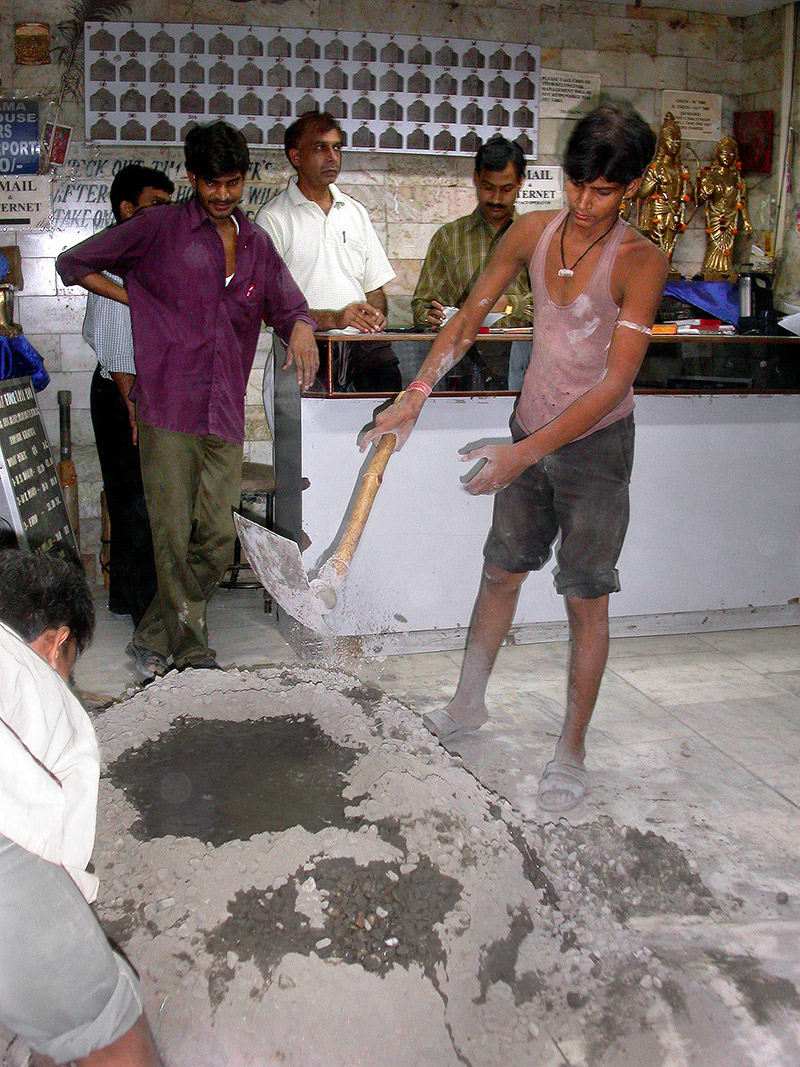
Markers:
{"x": 48, "y": 345}
{"x": 713, "y": 76}
{"x": 418, "y": 203}
{"x": 78, "y": 382}
{"x": 660, "y": 72}
{"x": 435, "y": 19}
{"x": 761, "y": 75}
{"x": 762, "y": 34}
{"x": 728, "y": 40}
{"x": 612, "y": 70}
{"x": 39, "y": 276}
{"x": 586, "y": 60}
{"x": 625, "y": 35}
{"x": 644, "y": 100}
{"x": 76, "y": 355}
{"x": 409, "y": 240}
{"x": 48, "y": 243}
{"x": 406, "y": 275}
{"x": 489, "y": 22}
{"x": 558, "y": 27}
{"x": 678, "y": 36}
{"x": 553, "y": 136}
{"x": 551, "y": 58}
{"x": 51, "y": 314}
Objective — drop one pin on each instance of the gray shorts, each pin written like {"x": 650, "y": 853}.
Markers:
{"x": 580, "y": 490}
{"x": 63, "y": 989}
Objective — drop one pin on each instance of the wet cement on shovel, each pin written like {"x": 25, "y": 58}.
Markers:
{"x": 225, "y": 781}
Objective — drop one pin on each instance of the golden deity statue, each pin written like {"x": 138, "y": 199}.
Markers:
{"x": 666, "y": 190}
{"x": 721, "y": 187}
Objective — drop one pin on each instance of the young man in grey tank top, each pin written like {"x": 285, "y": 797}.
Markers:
{"x": 599, "y": 285}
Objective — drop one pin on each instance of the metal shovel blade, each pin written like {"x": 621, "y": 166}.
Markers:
{"x": 278, "y": 565}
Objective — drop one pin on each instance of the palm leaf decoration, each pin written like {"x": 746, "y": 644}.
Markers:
{"x": 69, "y": 50}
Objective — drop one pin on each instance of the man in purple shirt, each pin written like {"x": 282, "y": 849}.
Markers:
{"x": 199, "y": 277}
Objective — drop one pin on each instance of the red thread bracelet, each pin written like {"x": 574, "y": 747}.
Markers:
{"x": 421, "y": 387}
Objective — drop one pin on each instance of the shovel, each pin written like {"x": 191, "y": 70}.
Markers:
{"x": 277, "y": 562}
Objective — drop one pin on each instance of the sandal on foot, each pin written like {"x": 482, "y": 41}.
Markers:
{"x": 148, "y": 663}
{"x": 562, "y": 786}
{"x": 442, "y": 725}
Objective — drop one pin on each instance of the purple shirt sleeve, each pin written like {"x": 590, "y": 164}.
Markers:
{"x": 117, "y": 249}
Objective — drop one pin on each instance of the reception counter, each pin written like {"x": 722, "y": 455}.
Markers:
{"x": 714, "y": 538}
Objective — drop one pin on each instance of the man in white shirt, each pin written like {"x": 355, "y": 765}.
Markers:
{"x": 333, "y": 253}
{"x": 63, "y": 989}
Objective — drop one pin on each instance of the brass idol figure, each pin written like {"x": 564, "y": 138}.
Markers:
{"x": 721, "y": 188}
{"x": 666, "y": 190}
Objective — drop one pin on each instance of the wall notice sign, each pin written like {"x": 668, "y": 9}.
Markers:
{"x": 24, "y": 200}
{"x": 31, "y": 502}
{"x": 566, "y": 94}
{"x": 19, "y": 137}
{"x": 699, "y": 115}
{"x": 542, "y": 188}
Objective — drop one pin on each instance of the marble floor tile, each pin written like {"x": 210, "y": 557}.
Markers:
{"x": 694, "y": 676}
{"x": 771, "y": 649}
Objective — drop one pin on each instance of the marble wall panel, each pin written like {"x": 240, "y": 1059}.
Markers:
{"x": 557, "y": 26}
{"x": 48, "y": 345}
{"x": 409, "y": 240}
{"x": 762, "y": 34}
{"x": 553, "y": 136}
{"x": 626, "y": 35}
{"x": 646, "y": 101}
{"x": 39, "y": 276}
{"x": 407, "y": 271}
{"x": 713, "y": 75}
{"x": 655, "y": 72}
{"x": 79, "y": 383}
{"x": 418, "y": 203}
{"x": 678, "y": 36}
{"x": 51, "y": 314}
{"x": 76, "y": 355}
{"x": 434, "y": 19}
{"x": 761, "y": 74}
{"x": 493, "y": 23}
{"x": 48, "y": 243}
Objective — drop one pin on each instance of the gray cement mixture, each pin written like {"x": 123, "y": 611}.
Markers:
{"x": 303, "y": 877}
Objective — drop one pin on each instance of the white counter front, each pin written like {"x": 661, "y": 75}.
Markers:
{"x": 715, "y": 518}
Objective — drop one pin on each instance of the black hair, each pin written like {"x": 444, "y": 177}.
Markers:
{"x": 214, "y": 149}
{"x": 497, "y": 153}
{"x": 612, "y": 142}
{"x": 130, "y": 182}
{"x": 40, "y": 592}
{"x": 319, "y": 121}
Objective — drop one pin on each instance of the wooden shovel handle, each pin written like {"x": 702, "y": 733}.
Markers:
{"x": 370, "y": 483}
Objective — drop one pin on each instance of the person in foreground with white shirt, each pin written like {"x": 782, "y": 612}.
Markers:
{"x": 333, "y": 253}
{"x": 63, "y": 989}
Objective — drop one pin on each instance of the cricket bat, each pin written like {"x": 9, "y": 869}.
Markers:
{"x": 67, "y": 474}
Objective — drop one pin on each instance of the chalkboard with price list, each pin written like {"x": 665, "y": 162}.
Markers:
{"x": 31, "y": 501}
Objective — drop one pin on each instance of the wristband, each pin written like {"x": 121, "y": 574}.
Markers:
{"x": 421, "y": 387}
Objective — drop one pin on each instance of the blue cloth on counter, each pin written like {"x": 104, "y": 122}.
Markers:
{"x": 720, "y": 299}
{"x": 5, "y": 266}
{"x": 18, "y": 358}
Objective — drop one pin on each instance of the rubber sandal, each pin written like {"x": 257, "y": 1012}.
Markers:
{"x": 559, "y": 779}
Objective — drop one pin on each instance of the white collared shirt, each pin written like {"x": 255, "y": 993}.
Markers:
{"x": 49, "y": 763}
{"x": 334, "y": 258}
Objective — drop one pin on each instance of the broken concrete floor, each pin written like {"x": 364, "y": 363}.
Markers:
{"x": 391, "y": 903}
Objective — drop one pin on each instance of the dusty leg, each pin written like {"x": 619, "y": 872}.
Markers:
{"x": 135, "y": 1048}
{"x": 564, "y": 780}
{"x": 491, "y": 619}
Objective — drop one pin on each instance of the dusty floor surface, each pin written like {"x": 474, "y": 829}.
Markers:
{"x": 302, "y": 877}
